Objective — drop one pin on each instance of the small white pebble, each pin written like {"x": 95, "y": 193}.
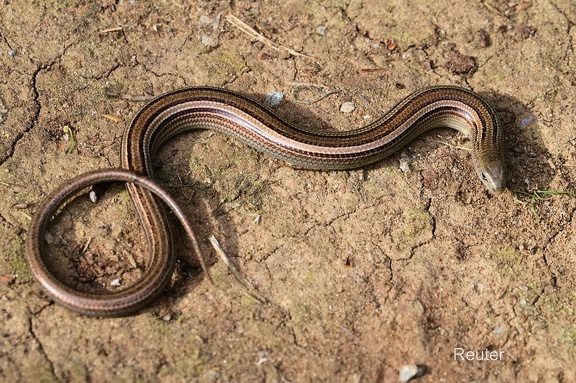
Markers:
{"x": 205, "y": 21}
{"x": 209, "y": 40}
{"x": 210, "y": 30}
{"x": 257, "y": 219}
{"x": 409, "y": 371}
{"x": 274, "y": 98}
{"x": 261, "y": 361}
{"x": 115, "y": 282}
{"x": 523, "y": 302}
{"x": 405, "y": 162}
{"x": 499, "y": 331}
{"x": 347, "y": 107}
{"x": 12, "y": 52}
{"x": 93, "y": 197}
{"x": 167, "y": 318}
{"x": 48, "y": 238}
{"x": 405, "y": 165}
{"x": 526, "y": 120}
{"x": 321, "y": 30}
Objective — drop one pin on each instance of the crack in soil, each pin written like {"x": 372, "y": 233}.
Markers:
{"x": 29, "y": 125}
{"x": 41, "y": 347}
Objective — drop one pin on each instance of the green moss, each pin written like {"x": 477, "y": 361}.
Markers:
{"x": 416, "y": 222}
{"x": 229, "y": 63}
{"x": 557, "y": 305}
{"x": 16, "y": 259}
{"x": 159, "y": 327}
{"x": 249, "y": 301}
{"x": 301, "y": 312}
{"x": 113, "y": 87}
{"x": 507, "y": 262}
{"x": 568, "y": 336}
{"x": 190, "y": 364}
{"x": 310, "y": 277}
{"x": 243, "y": 189}
{"x": 42, "y": 375}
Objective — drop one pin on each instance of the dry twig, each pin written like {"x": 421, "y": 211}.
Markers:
{"x": 258, "y": 36}
{"x": 251, "y": 290}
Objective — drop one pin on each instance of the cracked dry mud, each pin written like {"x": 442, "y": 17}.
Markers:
{"x": 365, "y": 270}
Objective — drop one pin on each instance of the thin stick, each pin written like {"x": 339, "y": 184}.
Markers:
{"x": 251, "y": 290}
{"x": 258, "y": 36}
{"x": 115, "y": 29}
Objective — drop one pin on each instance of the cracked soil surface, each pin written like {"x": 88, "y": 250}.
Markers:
{"x": 365, "y": 270}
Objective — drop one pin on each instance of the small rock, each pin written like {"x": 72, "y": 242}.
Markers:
{"x": 321, "y": 30}
{"x": 210, "y": 30}
{"x": 526, "y": 120}
{"x": 347, "y": 107}
{"x": 499, "y": 331}
{"x": 405, "y": 162}
{"x": 409, "y": 371}
{"x": 93, "y": 197}
{"x": 209, "y": 40}
{"x": 274, "y": 98}
{"x": 48, "y": 238}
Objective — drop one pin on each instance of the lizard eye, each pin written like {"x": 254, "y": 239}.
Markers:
{"x": 483, "y": 177}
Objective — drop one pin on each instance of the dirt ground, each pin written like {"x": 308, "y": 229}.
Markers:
{"x": 365, "y": 271}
